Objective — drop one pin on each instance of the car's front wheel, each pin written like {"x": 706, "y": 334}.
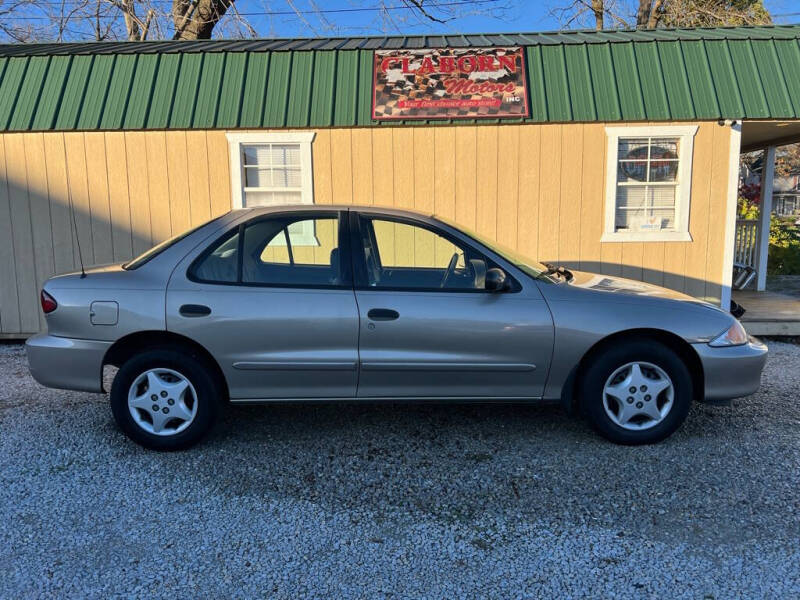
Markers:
{"x": 165, "y": 399}
{"x": 636, "y": 393}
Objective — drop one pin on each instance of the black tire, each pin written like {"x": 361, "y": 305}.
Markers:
{"x": 603, "y": 365}
{"x": 200, "y": 375}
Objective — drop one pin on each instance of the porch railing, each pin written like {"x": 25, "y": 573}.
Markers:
{"x": 746, "y": 246}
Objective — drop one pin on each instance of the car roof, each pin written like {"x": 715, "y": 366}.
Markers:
{"x": 385, "y": 210}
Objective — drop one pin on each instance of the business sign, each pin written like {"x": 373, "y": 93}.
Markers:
{"x": 449, "y": 83}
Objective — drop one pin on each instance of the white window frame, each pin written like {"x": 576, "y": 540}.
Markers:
{"x": 303, "y": 138}
{"x": 683, "y": 192}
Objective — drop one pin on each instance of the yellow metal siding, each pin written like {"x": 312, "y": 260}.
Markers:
{"x": 536, "y": 187}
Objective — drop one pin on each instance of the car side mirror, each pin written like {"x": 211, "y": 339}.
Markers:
{"x": 496, "y": 280}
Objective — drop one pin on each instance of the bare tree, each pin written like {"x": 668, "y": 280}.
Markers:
{"x": 196, "y": 19}
{"x": 649, "y": 14}
{"x": 136, "y": 20}
{"x": 712, "y": 13}
{"x": 590, "y": 13}
{"x": 396, "y": 16}
{"x": 136, "y": 28}
{"x": 15, "y": 30}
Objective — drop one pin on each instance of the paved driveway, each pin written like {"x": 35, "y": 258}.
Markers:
{"x": 400, "y": 501}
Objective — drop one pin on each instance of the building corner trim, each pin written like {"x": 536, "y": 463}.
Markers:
{"x": 730, "y": 214}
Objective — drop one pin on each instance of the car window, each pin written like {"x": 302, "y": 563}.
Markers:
{"x": 408, "y": 256}
{"x": 300, "y": 251}
{"x": 220, "y": 263}
{"x": 524, "y": 263}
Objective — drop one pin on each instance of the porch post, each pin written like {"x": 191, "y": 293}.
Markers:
{"x": 764, "y": 214}
{"x": 726, "y": 277}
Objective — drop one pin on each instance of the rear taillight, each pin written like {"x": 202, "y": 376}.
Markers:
{"x": 49, "y": 303}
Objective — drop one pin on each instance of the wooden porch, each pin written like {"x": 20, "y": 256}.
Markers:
{"x": 769, "y": 313}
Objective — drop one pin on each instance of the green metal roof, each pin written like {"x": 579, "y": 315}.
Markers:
{"x": 681, "y": 74}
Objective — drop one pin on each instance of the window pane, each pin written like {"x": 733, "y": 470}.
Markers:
{"x": 626, "y": 219}
{"x": 271, "y": 155}
{"x": 221, "y": 264}
{"x": 256, "y": 154}
{"x": 271, "y": 198}
{"x": 663, "y": 170}
{"x": 640, "y": 205}
{"x": 630, "y": 196}
{"x": 633, "y": 149}
{"x": 256, "y": 178}
{"x": 647, "y": 160}
{"x": 663, "y": 205}
{"x": 631, "y": 171}
{"x": 286, "y": 177}
{"x": 409, "y": 256}
{"x": 663, "y": 218}
{"x": 285, "y": 155}
{"x": 310, "y": 258}
{"x": 645, "y": 208}
{"x": 663, "y": 148}
{"x": 266, "y": 169}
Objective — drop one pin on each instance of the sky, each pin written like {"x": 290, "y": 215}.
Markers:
{"x": 521, "y": 15}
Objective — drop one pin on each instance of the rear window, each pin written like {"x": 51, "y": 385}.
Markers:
{"x": 142, "y": 259}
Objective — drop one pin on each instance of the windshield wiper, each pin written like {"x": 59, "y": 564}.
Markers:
{"x": 562, "y": 271}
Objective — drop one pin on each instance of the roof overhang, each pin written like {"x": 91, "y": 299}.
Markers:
{"x": 757, "y": 135}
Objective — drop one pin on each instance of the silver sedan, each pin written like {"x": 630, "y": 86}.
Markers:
{"x": 331, "y": 303}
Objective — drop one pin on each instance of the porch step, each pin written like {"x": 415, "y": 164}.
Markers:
{"x": 769, "y": 313}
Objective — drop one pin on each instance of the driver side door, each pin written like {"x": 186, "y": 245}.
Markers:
{"x": 430, "y": 329}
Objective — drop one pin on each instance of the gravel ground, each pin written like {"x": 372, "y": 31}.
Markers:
{"x": 398, "y": 501}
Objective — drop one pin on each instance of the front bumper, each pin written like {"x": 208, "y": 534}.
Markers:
{"x": 733, "y": 371}
{"x": 67, "y": 363}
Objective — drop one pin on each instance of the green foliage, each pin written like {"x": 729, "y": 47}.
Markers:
{"x": 784, "y": 239}
{"x": 784, "y": 247}
{"x": 747, "y": 209}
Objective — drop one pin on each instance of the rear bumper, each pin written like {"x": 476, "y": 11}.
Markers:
{"x": 67, "y": 363}
{"x": 734, "y": 371}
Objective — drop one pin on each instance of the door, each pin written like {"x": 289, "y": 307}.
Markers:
{"x": 272, "y": 300}
{"x": 430, "y": 329}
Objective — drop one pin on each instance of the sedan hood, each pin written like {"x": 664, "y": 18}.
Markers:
{"x": 626, "y": 287}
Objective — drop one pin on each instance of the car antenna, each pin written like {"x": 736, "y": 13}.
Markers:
{"x": 74, "y": 221}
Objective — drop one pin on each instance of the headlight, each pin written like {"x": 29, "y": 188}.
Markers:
{"x": 734, "y": 336}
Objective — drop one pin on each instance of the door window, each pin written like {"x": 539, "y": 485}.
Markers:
{"x": 283, "y": 251}
{"x": 408, "y": 256}
{"x": 220, "y": 262}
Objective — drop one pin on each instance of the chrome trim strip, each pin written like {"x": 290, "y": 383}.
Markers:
{"x": 367, "y": 399}
{"x": 445, "y": 366}
{"x": 295, "y": 366}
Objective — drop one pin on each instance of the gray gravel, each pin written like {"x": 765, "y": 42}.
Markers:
{"x": 399, "y": 501}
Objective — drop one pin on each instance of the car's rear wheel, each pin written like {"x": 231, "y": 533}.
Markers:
{"x": 165, "y": 399}
{"x": 638, "y": 392}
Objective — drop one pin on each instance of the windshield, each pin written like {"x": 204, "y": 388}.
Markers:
{"x": 523, "y": 263}
{"x": 158, "y": 249}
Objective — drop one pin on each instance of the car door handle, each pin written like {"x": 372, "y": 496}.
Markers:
{"x": 194, "y": 310}
{"x": 383, "y": 314}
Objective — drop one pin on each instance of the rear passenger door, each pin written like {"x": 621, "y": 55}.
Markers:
{"x": 272, "y": 300}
